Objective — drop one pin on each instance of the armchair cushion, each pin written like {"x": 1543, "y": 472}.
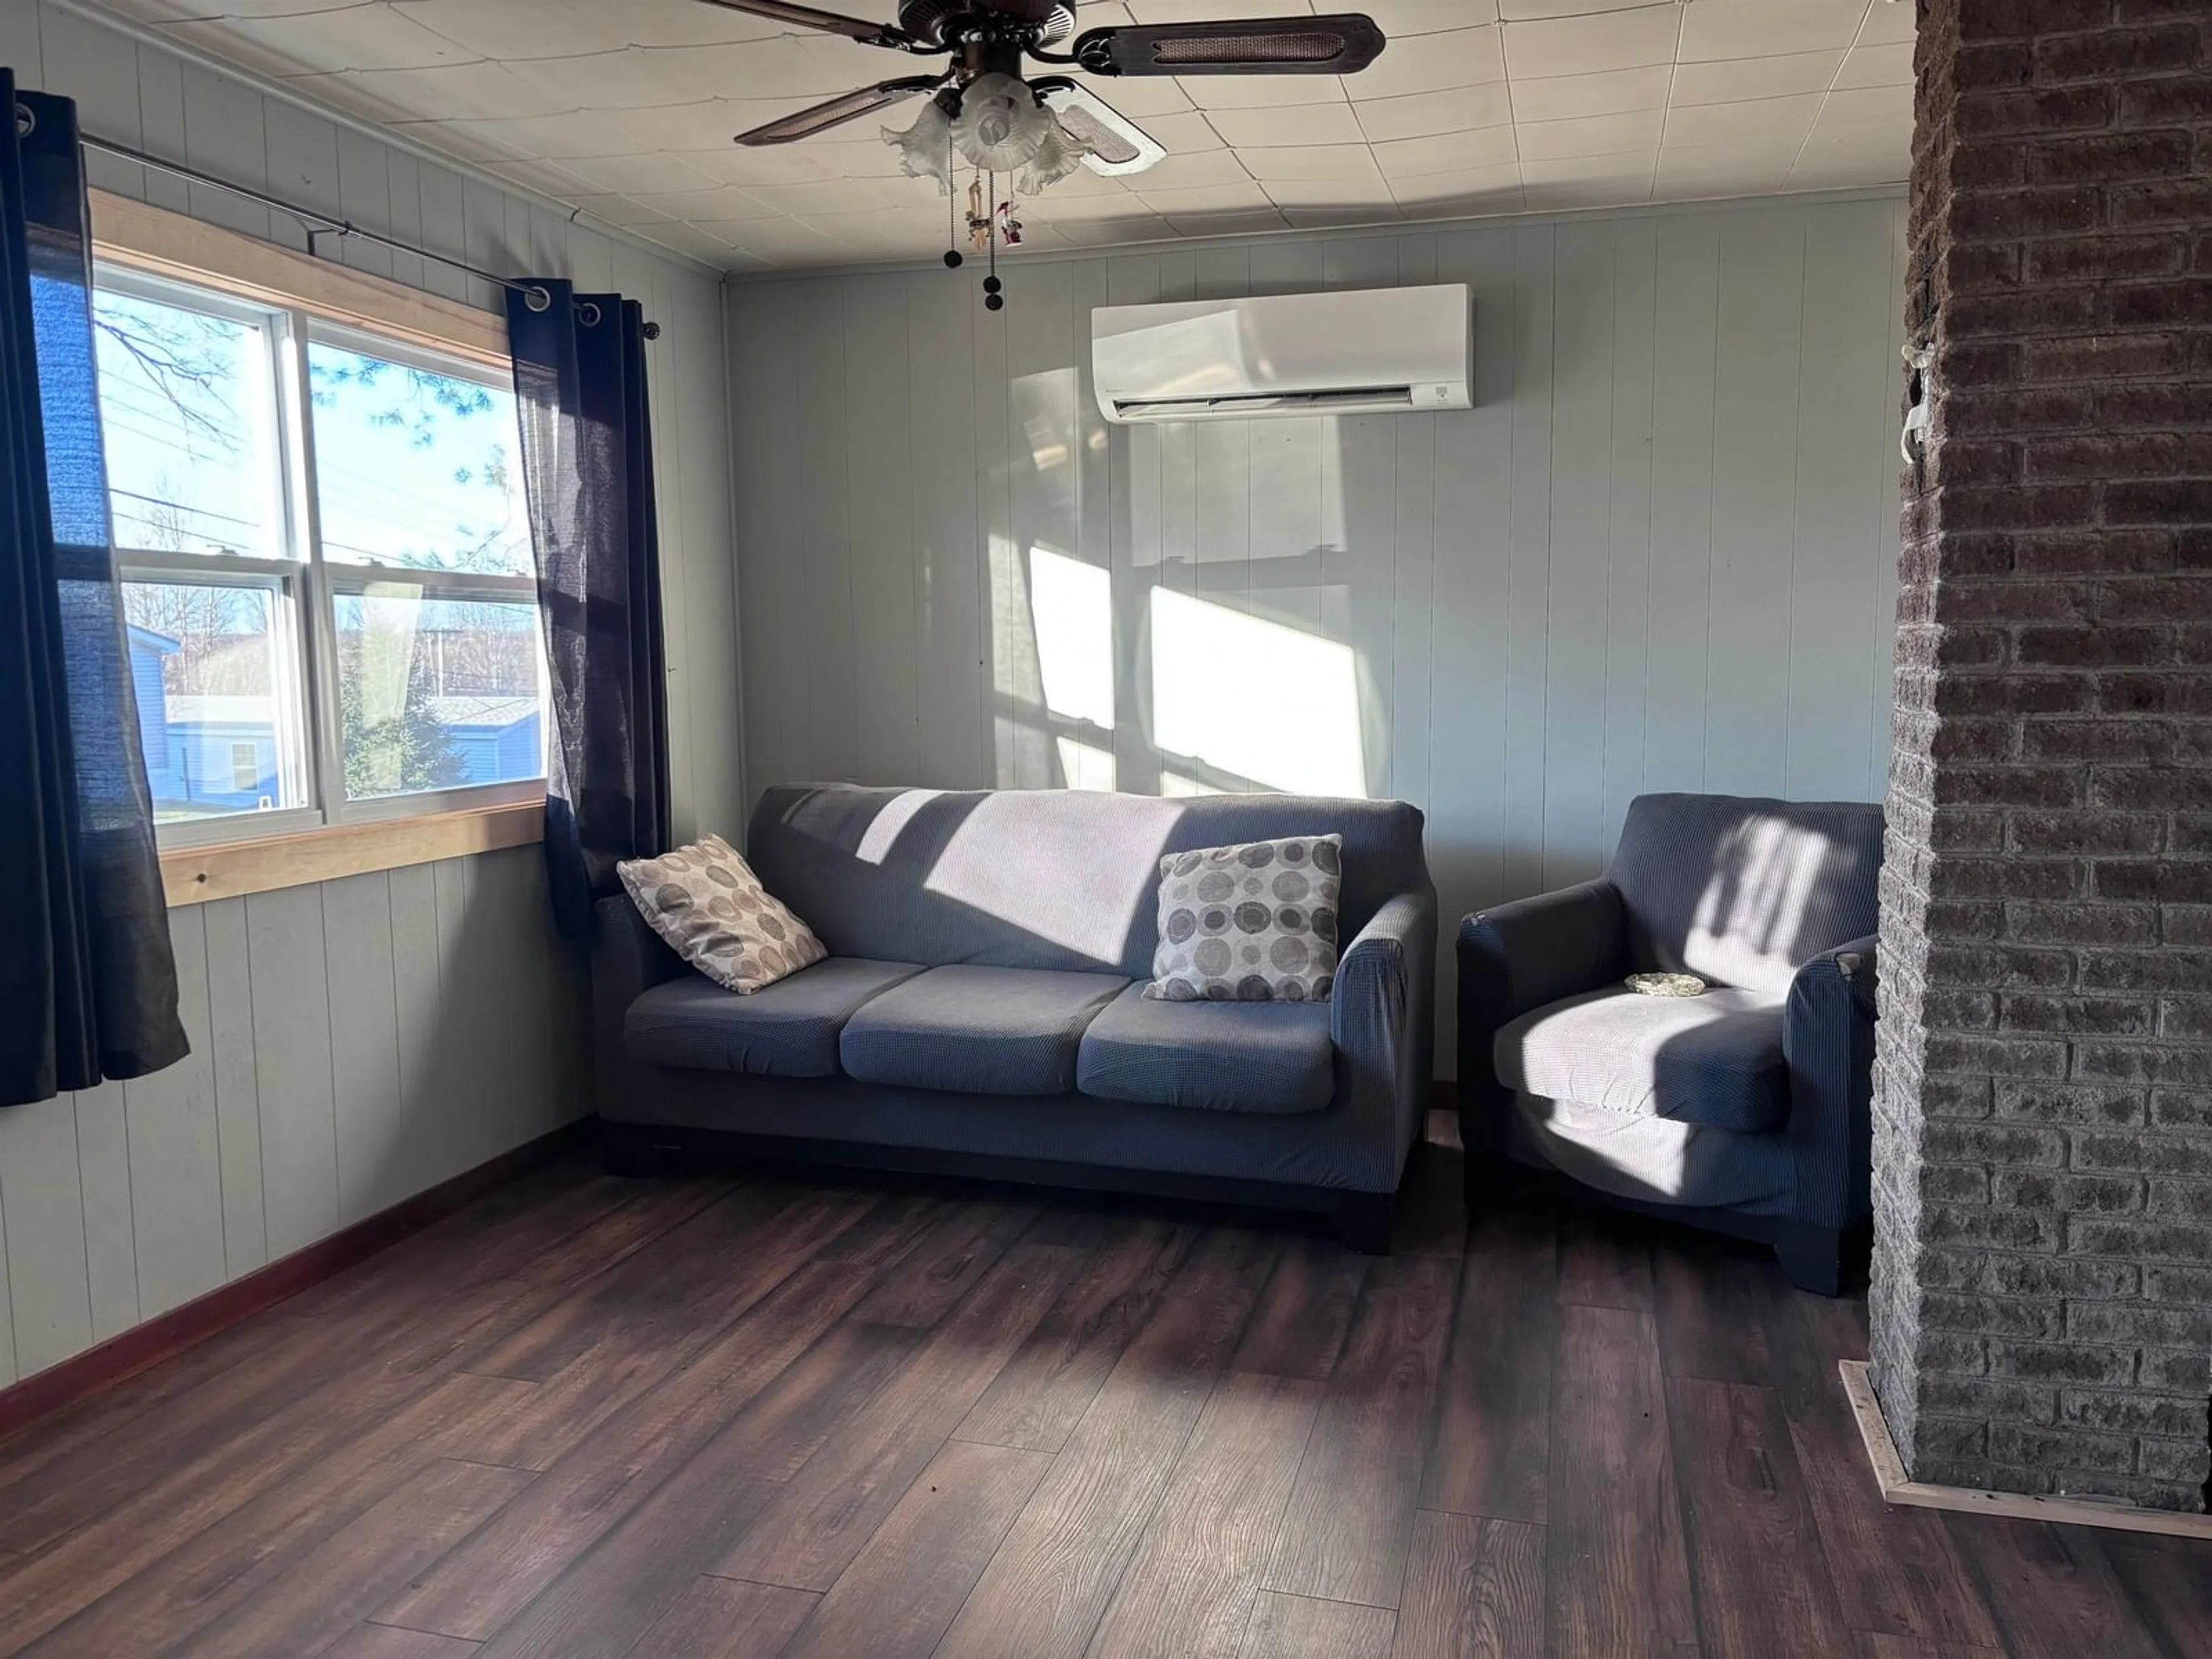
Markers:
{"x": 1715, "y": 1059}
{"x": 1215, "y": 1056}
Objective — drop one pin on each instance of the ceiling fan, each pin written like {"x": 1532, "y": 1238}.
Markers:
{"x": 984, "y": 107}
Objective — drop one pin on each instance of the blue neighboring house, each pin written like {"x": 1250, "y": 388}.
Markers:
{"x": 212, "y": 753}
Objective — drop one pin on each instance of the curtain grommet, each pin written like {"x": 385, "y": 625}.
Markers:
{"x": 537, "y": 299}
{"x": 26, "y": 122}
{"x": 587, "y": 313}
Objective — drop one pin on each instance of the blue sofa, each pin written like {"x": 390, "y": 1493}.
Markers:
{"x": 979, "y": 1014}
{"x": 1746, "y": 1109}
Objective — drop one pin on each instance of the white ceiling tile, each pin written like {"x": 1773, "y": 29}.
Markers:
{"x": 1401, "y": 19}
{"x": 638, "y": 175}
{"x": 510, "y": 30}
{"x": 1197, "y": 11}
{"x": 1731, "y": 80}
{"x": 1181, "y": 169}
{"x": 1765, "y": 124}
{"x": 1569, "y": 97}
{"x": 1213, "y": 92}
{"x": 1846, "y": 168}
{"x": 1519, "y": 11}
{"x": 1109, "y": 233}
{"x": 1596, "y": 135}
{"x": 1885, "y": 111}
{"x": 1247, "y": 197}
{"x": 1312, "y": 162}
{"x": 1312, "y": 124}
{"x": 471, "y": 141}
{"x": 360, "y": 36}
{"x": 1889, "y": 64}
{"x": 543, "y": 177}
{"x": 458, "y": 91}
{"x": 698, "y": 243}
{"x": 1451, "y": 195}
{"x": 1183, "y": 135}
{"x": 1427, "y": 114}
{"x": 1688, "y": 172}
{"x": 700, "y": 206}
{"x": 778, "y": 241}
{"x": 1715, "y": 29}
{"x": 1229, "y": 224}
{"x": 1312, "y": 195}
{"x": 1409, "y": 158}
{"x": 544, "y": 138}
{"x": 1888, "y": 20}
{"x": 216, "y": 8}
{"x": 1052, "y": 208}
{"x": 622, "y": 210}
{"x": 1433, "y": 63}
{"x": 1342, "y": 218}
{"x": 1585, "y": 181}
{"x": 848, "y": 196}
{"x": 1583, "y": 45}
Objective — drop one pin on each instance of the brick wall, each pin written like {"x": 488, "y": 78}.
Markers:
{"x": 2042, "y": 1300}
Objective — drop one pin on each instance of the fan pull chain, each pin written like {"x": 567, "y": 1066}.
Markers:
{"x": 953, "y": 258}
{"x": 993, "y": 298}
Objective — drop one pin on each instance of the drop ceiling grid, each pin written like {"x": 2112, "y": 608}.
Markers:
{"x": 1480, "y": 107}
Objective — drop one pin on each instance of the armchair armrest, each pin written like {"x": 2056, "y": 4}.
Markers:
{"x": 1827, "y": 1042}
{"x": 1514, "y": 959}
{"x": 1382, "y": 1016}
{"x": 627, "y": 958}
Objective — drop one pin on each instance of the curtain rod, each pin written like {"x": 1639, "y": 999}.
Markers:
{"x": 318, "y": 223}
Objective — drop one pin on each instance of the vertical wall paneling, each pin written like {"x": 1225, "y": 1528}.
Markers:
{"x": 1755, "y": 457}
{"x": 1684, "y": 479}
{"x": 285, "y": 958}
{"x": 1528, "y": 590}
{"x": 827, "y": 622}
{"x": 110, "y": 1248}
{"x": 237, "y": 1086}
{"x": 176, "y": 1147}
{"x": 1883, "y": 492}
{"x": 1836, "y": 518}
{"x": 1628, "y": 564}
{"x": 1581, "y": 548}
{"x": 414, "y": 1152}
{"x": 364, "y": 1040}
{"x": 42, "y": 1202}
{"x": 1656, "y": 554}
{"x": 879, "y": 459}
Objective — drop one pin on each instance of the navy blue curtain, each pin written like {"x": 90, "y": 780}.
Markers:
{"x": 587, "y": 471}
{"x": 88, "y": 983}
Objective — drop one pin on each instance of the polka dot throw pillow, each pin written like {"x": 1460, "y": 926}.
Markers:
{"x": 708, "y": 904}
{"x": 1255, "y": 923}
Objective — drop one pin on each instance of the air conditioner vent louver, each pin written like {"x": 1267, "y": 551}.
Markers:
{"x": 1366, "y": 351}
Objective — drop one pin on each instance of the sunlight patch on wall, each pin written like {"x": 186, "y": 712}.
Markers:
{"x": 1251, "y": 697}
{"x": 1085, "y": 766}
{"x": 1176, "y": 787}
{"x": 1071, "y": 608}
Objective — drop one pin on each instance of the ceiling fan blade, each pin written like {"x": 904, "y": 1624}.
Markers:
{"x": 829, "y": 22}
{"x": 1114, "y": 144}
{"x": 1251, "y": 45}
{"x": 805, "y": 123}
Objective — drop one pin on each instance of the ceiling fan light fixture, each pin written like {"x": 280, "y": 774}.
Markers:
{"x": 1060, "y": 153}
{"x": 1001, "y": 126}
{"x": 926, "y": 148}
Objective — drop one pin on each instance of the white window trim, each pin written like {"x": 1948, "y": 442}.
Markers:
{"x": 314, "y": 298}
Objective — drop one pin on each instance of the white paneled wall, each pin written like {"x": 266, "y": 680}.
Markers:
{"x": 355, "y": 1042}
{"x": 1659, "y": 553}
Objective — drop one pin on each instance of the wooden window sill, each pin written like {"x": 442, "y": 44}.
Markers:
{"x": 195, "y": 875}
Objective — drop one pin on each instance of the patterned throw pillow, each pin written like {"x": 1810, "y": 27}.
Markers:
{"x": 1255, "y": 923}
{"x": 709, "y": 906}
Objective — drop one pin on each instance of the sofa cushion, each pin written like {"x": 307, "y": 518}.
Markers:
{"x": 1715, "y": 1059}
{"x": 1214, "y": 1056}
{"x": 1255, "y": 923}
{"x": 977, "y": 1030}
{"x": 710, "y": 907}
{"x": 788, "y": 1029}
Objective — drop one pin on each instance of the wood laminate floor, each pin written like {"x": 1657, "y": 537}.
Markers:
{"x": 723, "y": 1417}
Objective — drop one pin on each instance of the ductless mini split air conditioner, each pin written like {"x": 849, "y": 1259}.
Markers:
{"x": 1363, "y": 351}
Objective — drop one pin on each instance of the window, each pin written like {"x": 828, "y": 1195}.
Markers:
{"x": 326, "y": 565}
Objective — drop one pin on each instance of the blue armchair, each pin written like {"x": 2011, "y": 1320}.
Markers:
{"x": 1745, "y": 1110}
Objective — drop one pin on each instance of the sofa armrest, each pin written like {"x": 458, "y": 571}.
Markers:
{"x": 1827, "y": 1042}
{"x": 627, "y": 958}
{"x": 1382, "y": 1016}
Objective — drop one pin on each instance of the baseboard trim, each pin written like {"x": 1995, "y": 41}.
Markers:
{"x": 1898, "y": 1487}
{"x": 160, "y": 1338}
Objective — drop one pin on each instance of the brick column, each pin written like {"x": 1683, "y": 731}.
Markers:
{"x": 2042, "y": 1302}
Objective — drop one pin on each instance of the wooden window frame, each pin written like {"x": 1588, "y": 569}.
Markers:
{"x": 137, "y": 236}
